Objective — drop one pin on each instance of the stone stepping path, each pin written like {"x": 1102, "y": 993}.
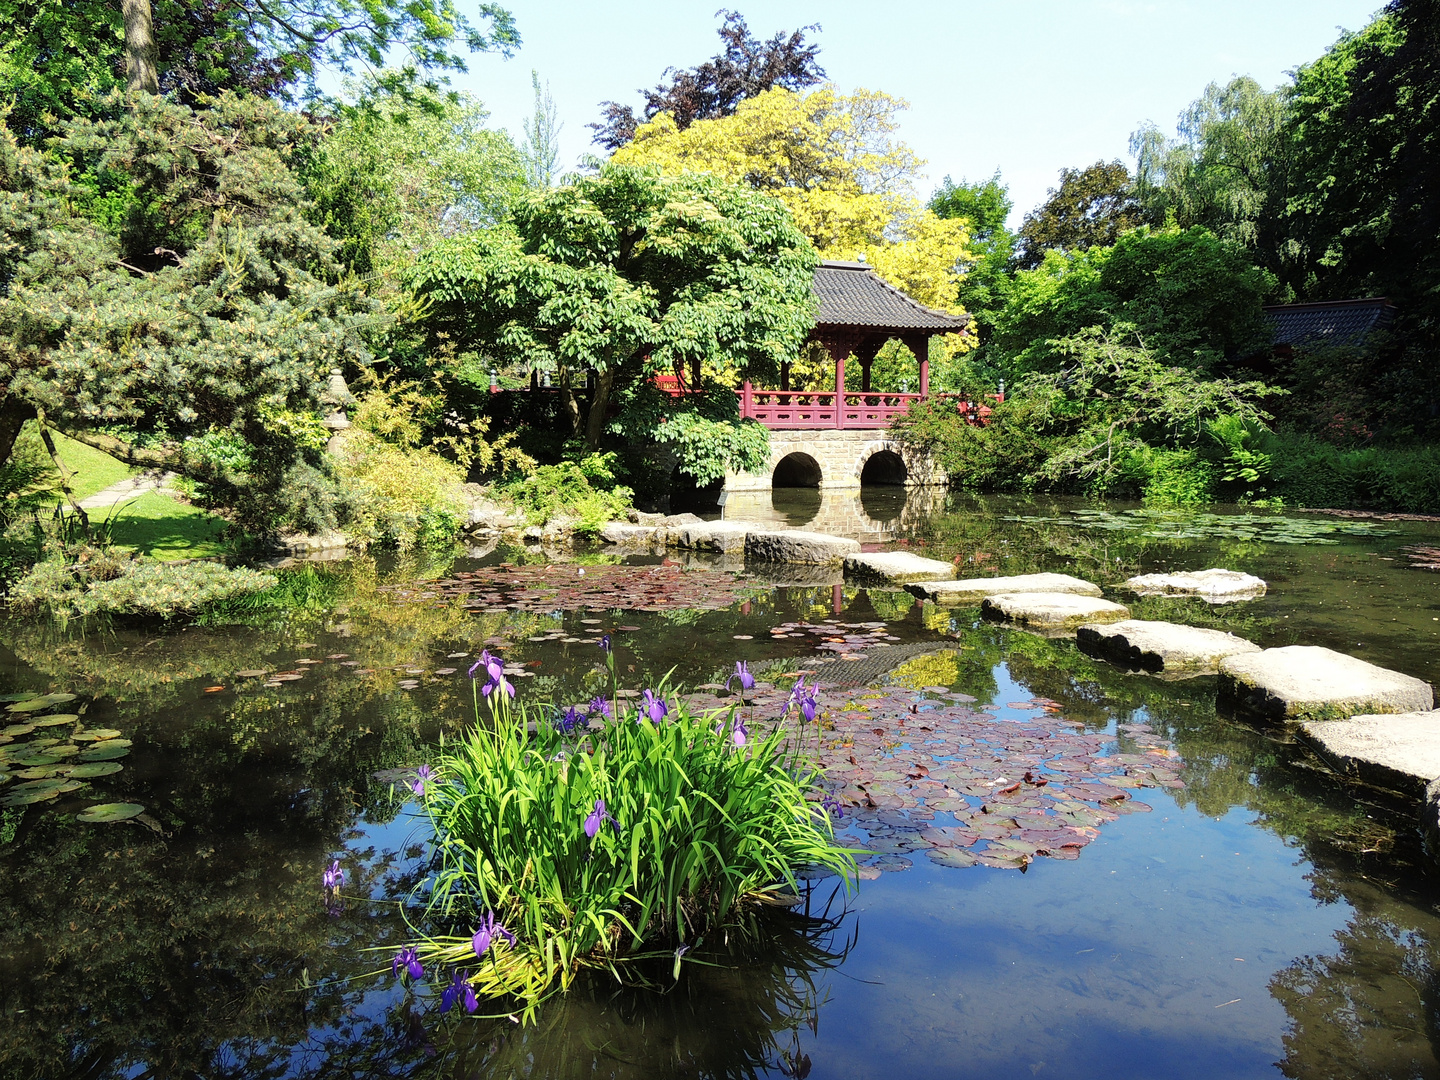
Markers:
{"x": 1161, "y": 648}
{"x": 1051, "y": 611}
{"x": 130, "y": 488}
{"x": 1215, "y": 586}
{"x": 896, "y": 568}
{"x": 1397, "y": 752}
{"x": 971, "y": 591}
{"x": 1298, "y": 683}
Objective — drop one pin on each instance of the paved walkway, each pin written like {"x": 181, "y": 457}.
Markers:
{"x": 135, "y": 486}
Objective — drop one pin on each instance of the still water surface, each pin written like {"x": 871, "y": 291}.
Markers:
{"x": 1260, "y": 921}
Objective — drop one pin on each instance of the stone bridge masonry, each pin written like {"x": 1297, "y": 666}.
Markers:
{"x": 836, "y": 458}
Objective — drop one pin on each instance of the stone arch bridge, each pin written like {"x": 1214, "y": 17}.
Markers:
{"x": 837, "y": 458}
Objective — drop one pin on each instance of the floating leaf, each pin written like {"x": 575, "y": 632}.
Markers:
{"x": 254, "y": 673}
{"x": 107, "y": 751}
{"x": 951, "y": 857}
{"x": 33, "y": 705}
{"x": 91, "y": 769}
{"x": 56, "y": 719}
{"x": 94, "y": 734}
{"x": 16, "y": 730}
{"x": 109, "y": 812}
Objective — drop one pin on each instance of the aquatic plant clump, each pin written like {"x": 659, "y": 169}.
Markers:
{"x": 608, "y": 843}
{"x": 1183, "y": 525}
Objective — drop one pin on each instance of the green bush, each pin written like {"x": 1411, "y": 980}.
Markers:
{"x": 585, "y": 490}
{"x": 400, "y": 495}
{"x": 611, "y": 847}
{"x": 106, "y": 583}
{"x": 1309, "y": 472}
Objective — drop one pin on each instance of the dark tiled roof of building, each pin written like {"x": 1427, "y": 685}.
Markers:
{"x": 1333, "y": 322}
{"x": 852, "y": 295}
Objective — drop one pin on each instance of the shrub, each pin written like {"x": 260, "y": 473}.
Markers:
{"x": 585, "y": 490}
{"x": 106, "y": 583}
{"x": 610, "y": 847}
{"x": 400, "y": 495}
{"x": 1309, "y": 472}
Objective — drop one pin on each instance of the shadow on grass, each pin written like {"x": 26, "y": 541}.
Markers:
{"x": 164, "y": 528}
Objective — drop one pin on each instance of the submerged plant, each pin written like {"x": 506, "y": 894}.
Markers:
{"x": 612, "y": 847}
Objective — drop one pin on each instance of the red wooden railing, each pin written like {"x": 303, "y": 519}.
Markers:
{"x": 783, "y": 409}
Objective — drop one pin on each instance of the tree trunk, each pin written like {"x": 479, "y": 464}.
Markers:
{"x": 13, "y": 413}
{"x": 572, "y": 407}
{"x": 141, "y": 70}
{"x": 66, "y": 480}
{"x": 599, "y": 406}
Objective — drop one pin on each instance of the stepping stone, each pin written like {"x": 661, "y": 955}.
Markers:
{"x": 1396, "y": 752}
{"x": 1305, "y": 682}
{"x": 720, "y": 536}
{"x": 1162, "y": 647}
{"x": 1214, "y": 586}
{"x": 627, "y": 535}
{"x": 896, "y": 568}
{"x": 1052, "y": 611}
{"x": 970, "y": 591}
{"x": 798, "y": 546}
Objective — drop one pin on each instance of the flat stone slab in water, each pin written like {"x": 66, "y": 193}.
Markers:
{"x": 1397, "y": 752}
{"x": 627, "y": 535}
{"x": 896, "y": 568}
{"x": 723, "y": 536}
{"x": 1305, "y": 682}
{"x": 1161, "y": 647}
{"x": 798, "y": 546}
{"x": 1052, "y": 611}
{"x": 1214, "y": 585}
{"x": 971, "y": 591}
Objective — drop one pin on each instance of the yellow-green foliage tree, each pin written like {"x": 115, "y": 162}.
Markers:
{"x": 834, "y": 161}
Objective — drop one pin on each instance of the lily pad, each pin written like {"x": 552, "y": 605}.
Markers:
{"x": 107, "y": 751}
{"x": 96, "y": 734}
{"x": 91, "y": 769}
{"x": 56, "y": 719}
{"x": 951, "y": 857}
{"x": 16, "y": 730}
{"x": 33, "y": 705}
{"x": 16, "y": 797}
{"x": 108, "y": 812}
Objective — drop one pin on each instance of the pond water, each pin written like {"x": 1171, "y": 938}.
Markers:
{"x": 1257, "y": 920}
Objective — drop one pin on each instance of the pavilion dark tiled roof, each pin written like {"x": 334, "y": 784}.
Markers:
{"x": 1331, "y": 322}
{"x": 851, "y": 294}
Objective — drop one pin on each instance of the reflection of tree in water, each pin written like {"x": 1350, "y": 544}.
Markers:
{"x": 1368, "y": 1010}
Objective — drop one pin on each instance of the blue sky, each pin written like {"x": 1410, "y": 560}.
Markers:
{"x": 1026, "y": 86}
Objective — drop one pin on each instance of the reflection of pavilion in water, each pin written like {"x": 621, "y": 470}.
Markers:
{"x": 872, "y": 514}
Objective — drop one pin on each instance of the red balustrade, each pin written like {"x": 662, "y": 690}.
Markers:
{"x": 789, "y": 409}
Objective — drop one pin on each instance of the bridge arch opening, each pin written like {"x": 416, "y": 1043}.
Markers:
{"x": 884, "y": 467}
{"x": 796, "y": 470}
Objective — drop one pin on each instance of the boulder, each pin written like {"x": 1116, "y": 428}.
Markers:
{"x": 1306, "y": 682}
{"x": 627, "y": 535}
{"x": 710, "y": 535}
{"x": 797, "y": 546}
{"x": 970, "y": 591}
{"x": 1161, "y": 647}
{"x": 1398, "y": 752}
{"x": 308, "y": 543}
{"x": 896, "y": 568}
{"x": 1215, "y": 586}
{"x": 486, "y": 516}
{"x": 1052, "y": 611}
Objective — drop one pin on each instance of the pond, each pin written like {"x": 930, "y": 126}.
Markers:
{"x": 1151, "y": 889}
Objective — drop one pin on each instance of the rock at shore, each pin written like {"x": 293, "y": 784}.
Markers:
{"x": 1214, "y": 586}
{"x": 624, "y": 534}
{"x": 1052, "y": 611}
{"x": 797, "y": 546}
{"x": 1161, "y": 647}
{"x": 723, "y": 536}
{"x": 1397, "y": 752}
{"x": 896, "y": 568}
{"x": 1299, "y": 683}
{"x": 971, "y": 591}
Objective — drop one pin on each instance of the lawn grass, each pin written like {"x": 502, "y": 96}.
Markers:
{"x": 159, "y": 526}
{"x": 94, "y": 470}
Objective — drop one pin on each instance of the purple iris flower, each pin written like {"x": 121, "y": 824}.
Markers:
{"x": 569, "y": 720}
{"x": 490, "y": 932}
{"x": 423, "y": 775}
{"x": 459, "y": 990}
{"x": 803, "y": 696}
{"x": 601, "y": 706}
{"x": 808, "y": 705}
{"x": 333, "y": 877}
{"x": 738, "y": 734}
{"x": 654, "y": 707}
{"x": 408, "y": 959}
{"x": 832, "y": 807}
{"x": 605, "y": 644}
{"x": 742, "y": 672}
{"x": 494, "y": 669}
{"x": 598, "y": 817}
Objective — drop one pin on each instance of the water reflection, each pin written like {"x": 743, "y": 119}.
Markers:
{"x": 874, "y": 514}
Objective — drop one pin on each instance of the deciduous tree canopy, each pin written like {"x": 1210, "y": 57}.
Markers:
{"x": 1090, "y": 208}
